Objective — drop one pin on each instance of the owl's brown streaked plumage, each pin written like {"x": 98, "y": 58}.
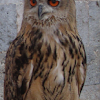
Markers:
{"x": 47, "y": 60}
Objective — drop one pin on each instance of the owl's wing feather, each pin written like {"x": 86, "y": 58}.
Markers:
{"x": 81, "y": 75}
{"x": 18, "y": 71}
{"x": 81, "y": 68}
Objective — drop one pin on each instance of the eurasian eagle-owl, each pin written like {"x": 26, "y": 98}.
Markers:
{"x": 47, "y": 60}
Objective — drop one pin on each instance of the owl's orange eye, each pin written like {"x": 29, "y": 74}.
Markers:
{"x": 53, "y": 3}
{"x": 33, "y": 2}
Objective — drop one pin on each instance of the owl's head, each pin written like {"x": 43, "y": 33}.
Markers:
{"x": 48, "y": 10}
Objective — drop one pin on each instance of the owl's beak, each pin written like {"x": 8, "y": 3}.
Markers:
{"x": 40, "y": 9}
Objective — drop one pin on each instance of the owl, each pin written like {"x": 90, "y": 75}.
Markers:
{"x": 47, "y": 59}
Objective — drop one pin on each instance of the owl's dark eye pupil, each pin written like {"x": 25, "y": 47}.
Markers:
{"x": 53, "y": 1}
{"x": 34, "y": 1}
